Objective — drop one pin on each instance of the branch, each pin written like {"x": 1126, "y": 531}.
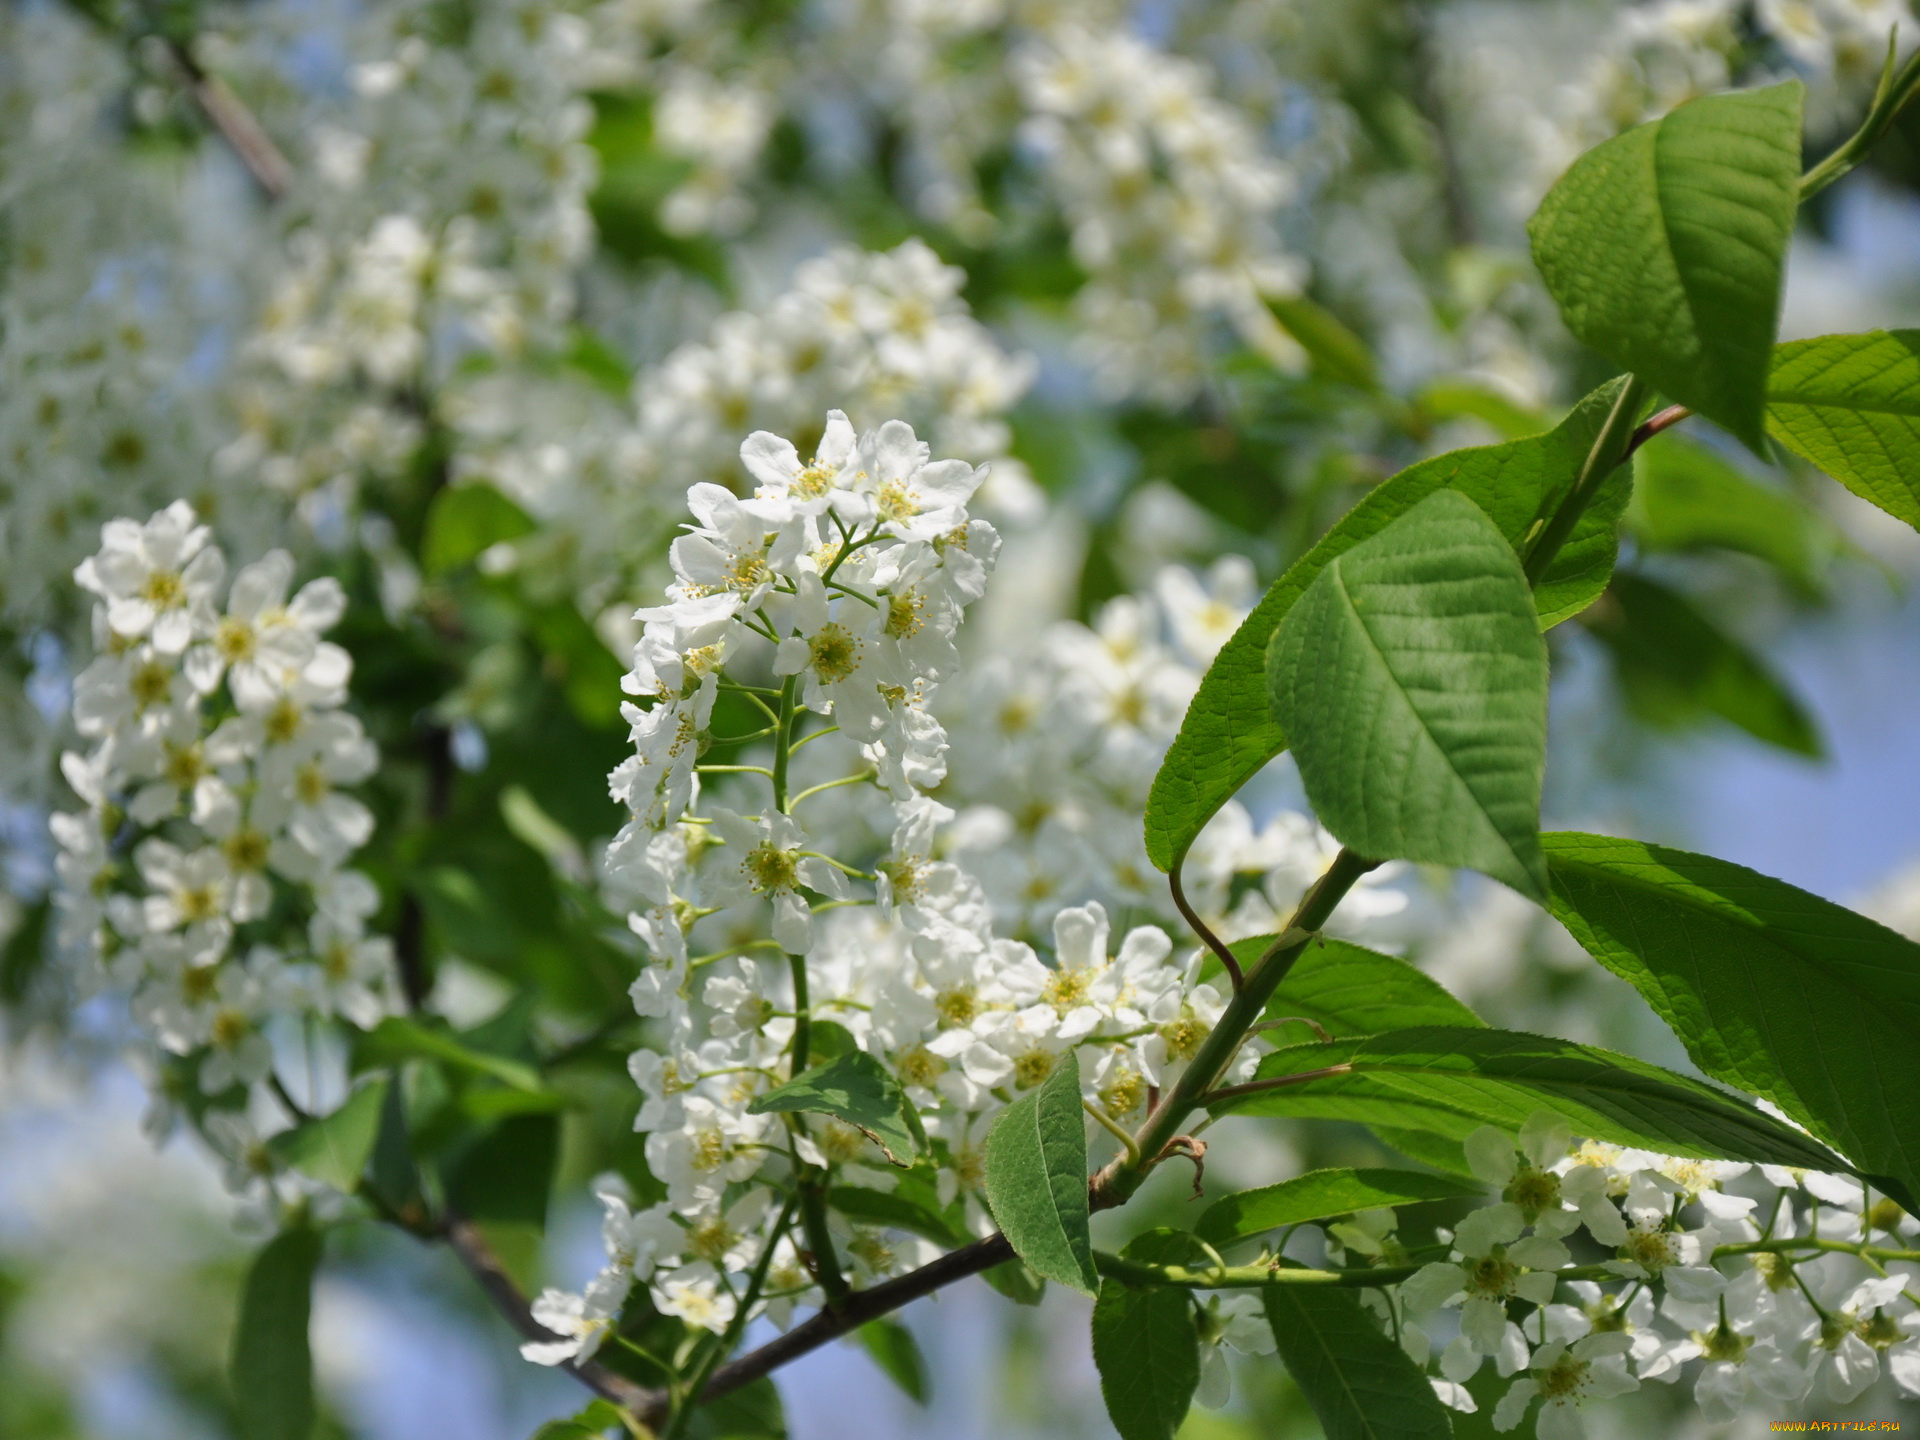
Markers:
{"x": 858, "y": 1308}
{"x": 1665, "y": 420}
{"x": 477, "y": 1255}
{"x": 227, "y": 114}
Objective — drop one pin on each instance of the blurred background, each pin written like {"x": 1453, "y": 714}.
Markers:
{"x": 1192, "y": 275}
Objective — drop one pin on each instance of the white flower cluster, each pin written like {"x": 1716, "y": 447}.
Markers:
{"x": 441, "y": 214}
{"x": 1747, "y": 1295}
{"x": 1170, "y": 195}
{"x": 843, "y": 579}
{"x": 1170, "y": 200}
{"x": 882, "y": 334}
{"x": 207, "y": 874}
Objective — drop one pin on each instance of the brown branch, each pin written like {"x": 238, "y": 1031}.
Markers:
{"x": 477, "y": 1255}
{"x": 227, "y": 114}
{"x": 856, "y": 1310}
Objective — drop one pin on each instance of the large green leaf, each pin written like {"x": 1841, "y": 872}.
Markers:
{"x": 1037, "y": 1179}
{"x": 1851, "y": 405}
{"x": 855, "y": 1088}
{"x": 1666, "y": 246}
{"x": 272, "y": 1367}
{"x": 1145, "y": 1346}
{"x": 1346, "y": 989}
{"x": 896, "y": 1352}
{"x": 1452, "y": 1080}
{"x": 1687, "y": 498}
{"x": 334, "y": 1149}
{"x": 1318, "y": 1194}
{"x": 1360, "y": 1384}
{"x": 1412, "y": 677}
{"x": 1676, "y": 667}
{"x": 1770, "y": 988}
{"x": 1229, "y": 732}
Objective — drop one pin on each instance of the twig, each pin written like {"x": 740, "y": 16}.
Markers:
{"x": 1653, "y": 425}
{"x": 477, "y": 1255}
{"x": 228, "y": 115}
{"x": 858, "y": 1308}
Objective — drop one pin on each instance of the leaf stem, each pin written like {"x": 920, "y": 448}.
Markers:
{"x": 1199, "y": 927}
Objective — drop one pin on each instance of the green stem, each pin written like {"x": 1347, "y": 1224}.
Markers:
{"x": 687, "y": 1397}
{"x": 1610, "y": 447}
{"x": 1895, "y": 91}
{"x": 782, "y": 743}
{"x": 1120, "y": 1178}
{"x": 802, "y": 1013}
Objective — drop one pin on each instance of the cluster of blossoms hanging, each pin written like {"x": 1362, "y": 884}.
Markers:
{"x": 843, "y": 580}
{"x": 208, "y": 874}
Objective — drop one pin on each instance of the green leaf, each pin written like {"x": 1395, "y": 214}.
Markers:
{"x": 1666, "y": 246}
{"x": 1686, "y": 498}
{"x": 1335, "y": 351}
{"x": 590, "y": 1424}
{"x": 1145, "y": 1345}
{"x": 1319, "y": 1194}
{"x": 1360, "y": 1384}
{"x": 895, "y": 1351}
{"x": 753, "y": 1412}
{"x": 399, "y": 1038}
{"x": 1348, "y": 990}
{"x": 506, "y": 1176}
{"x": 1676, "y": 667}
{"x": 1426, "y": 1148}
{"x": 334, "y": 1149}
{"x": 1037, "y": 1179}
{"x": 1229, "y": 732}
{"x": 1851, "y": 405}
{"x": 272, "y": 1368}
{"x": 855, "y": 1088}
{"x": 1014, "y": 1280}
{"x": 1413, "y": 679}
{"x": 1769, "y": 988}
{"x": 1451, "y": 1081}
{"x": 465, "y": 520}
